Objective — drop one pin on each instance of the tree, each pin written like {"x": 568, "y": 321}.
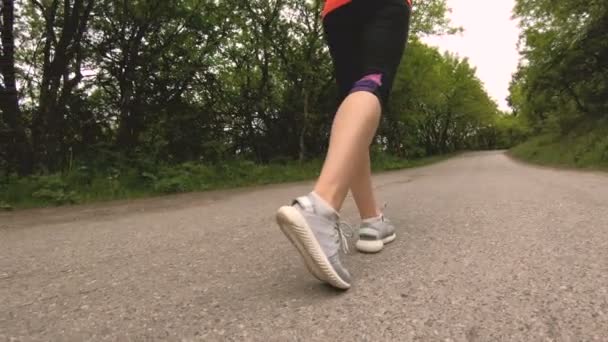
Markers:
{"x": 431, "y": 18}
{"x": 564, "y": 77}
{"x": 438, "y": 105}
{"x": 150, "y": 53}
{"x": 17, "y": 146}
{"x": 59, "y": 28}
{"x": 306, "y": 65}
{"x": 113, "y": 84}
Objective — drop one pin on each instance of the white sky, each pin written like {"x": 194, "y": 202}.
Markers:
{"x": 489, "y": 41}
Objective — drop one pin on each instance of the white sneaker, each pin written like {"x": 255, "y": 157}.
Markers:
{"x": 374, "y": 234}
{"x": 317, "y": 234}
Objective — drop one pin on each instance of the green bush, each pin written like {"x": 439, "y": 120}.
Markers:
{"x": 54, "y": 189}
{"x": 171, "y": 185}
{"x": 584, "y": 146}
{"x": 181, "y": 178}
{"x": 86, "y": 184}
{"x": 5, "y": 206}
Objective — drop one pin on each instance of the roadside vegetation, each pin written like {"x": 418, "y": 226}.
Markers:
{"x": 84, "y": 185}
{"x": 583, "y": 147}
{"x": 560, "y": 92}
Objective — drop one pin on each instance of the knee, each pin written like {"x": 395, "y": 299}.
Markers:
{"x": 372, "y": 83}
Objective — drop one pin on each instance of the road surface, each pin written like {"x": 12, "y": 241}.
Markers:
{"x": 488, "y": 249}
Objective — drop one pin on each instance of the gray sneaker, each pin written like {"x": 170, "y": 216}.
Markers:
{"x": 374, "y": 234}
{"x": 317, "y": 234}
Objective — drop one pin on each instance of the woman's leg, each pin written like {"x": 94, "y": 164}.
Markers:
{"x": 363, "y": 190}
{"x": 372, "y": 52}
{"x": 347, "y": 159}
{"x": 360, "y": 185}
{"x": 332, "y": 186}
{"x": 377, "y": 51}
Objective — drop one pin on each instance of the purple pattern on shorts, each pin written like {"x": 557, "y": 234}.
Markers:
{"x": 369, "y": 83}
{"x": 376, "y": 78}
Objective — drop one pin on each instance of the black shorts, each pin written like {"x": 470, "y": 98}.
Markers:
{"x": 366, "y": 40}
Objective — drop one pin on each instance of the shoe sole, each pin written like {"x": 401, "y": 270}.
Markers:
{"x": 294, "y": 241}
{"x": 294, "y": 226}
{"x": 375, "y": 246}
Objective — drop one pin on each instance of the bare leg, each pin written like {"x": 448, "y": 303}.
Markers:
{"x": 353, "y": 130}
{"x": 363, "y": 190}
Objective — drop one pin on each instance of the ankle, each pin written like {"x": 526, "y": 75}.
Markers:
{"x": 325, "y": 202}
{"x": 371, "y": 215}
{"x": 371, "y": 219}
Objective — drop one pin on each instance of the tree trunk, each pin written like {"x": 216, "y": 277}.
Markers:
{"x": 19, "y": 151}
{"x": 129, "y": 127}
{"x": 303, "y": 132}
{"x": 444, "y": 134}
{"x": 56, "y": 88}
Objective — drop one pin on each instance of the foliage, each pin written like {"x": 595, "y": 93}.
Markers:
{"x": 564, "y": 77}
{"x": 509, "y": 131}
{"x": 51, "y": 189}
{"x": 562, "y": 83}
{"x": 195, "y": 81}
{"x": 59, "y": 189}
{"x": 430, "y": 18}
{"x": 120, "y": 97}
{"x": 585, "y": 147}
{"x": 439, "y": 106}
{"x": 5, "y": 206}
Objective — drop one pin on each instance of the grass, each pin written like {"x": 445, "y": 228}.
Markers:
{"x": 84, "y": 185}
{"x": 584, "y": 147}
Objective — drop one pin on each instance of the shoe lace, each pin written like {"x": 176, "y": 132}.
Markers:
{"x": 344, "y": 231}
{"x": 384, "y": 206}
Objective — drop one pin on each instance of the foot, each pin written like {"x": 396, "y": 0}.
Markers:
{"x": 374, "y": 234}
{"x": 314, "y": 229}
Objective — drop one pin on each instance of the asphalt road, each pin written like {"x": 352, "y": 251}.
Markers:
{"x": 488, "y": 249}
